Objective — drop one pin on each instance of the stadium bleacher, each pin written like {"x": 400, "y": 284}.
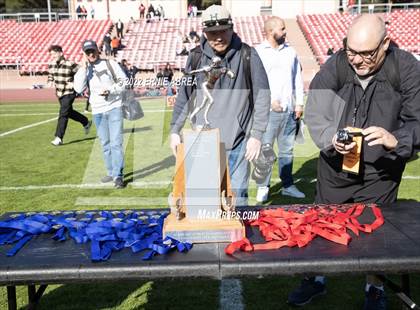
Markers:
{"x": 324, "y": 31}
{"x": 27, "y": 43}
{"x": 149, "y": 45}
{"x": 153, "y": 44}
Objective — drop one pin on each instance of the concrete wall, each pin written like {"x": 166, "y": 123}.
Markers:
{"x": 291, "y": 8}
{"x": 243, "y": 7}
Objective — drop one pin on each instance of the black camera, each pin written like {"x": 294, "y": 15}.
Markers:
{"x": 346, "y": 136}
{"x": 264, "y": 162}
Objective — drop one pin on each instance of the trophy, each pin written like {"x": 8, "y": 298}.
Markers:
{"x": 202, "y": 202}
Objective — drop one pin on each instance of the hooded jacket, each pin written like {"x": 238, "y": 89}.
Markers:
{"x": 231, "y": 111}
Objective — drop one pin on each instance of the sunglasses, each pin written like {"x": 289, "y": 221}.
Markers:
{"x": 88, "y": 52}
{"x": 217, "y": 22}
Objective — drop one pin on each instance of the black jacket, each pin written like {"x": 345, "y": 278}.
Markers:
{"x": 398, "y": 111}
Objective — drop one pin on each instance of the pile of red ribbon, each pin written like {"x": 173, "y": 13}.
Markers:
{"x": 286, "y": 227}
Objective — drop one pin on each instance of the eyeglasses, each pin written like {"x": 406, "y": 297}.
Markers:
{"x": 217, "y": 22}
{"x": 367, "y": 56}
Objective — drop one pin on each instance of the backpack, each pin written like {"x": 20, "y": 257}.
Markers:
{"x": 391, "y": 68}
{"x": 196, "y": 53}
{"x": 131, "y": 108}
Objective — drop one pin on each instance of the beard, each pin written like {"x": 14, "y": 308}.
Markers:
{"x": 280, "y": 40}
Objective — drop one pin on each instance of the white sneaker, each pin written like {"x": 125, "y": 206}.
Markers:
{"x": 87, "y": 127}
{"x": 262, "y": 194}
{"x": 57, "y": 141}
{"x": 292, "y": 191}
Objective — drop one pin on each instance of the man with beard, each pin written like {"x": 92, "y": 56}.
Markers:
{"x": 286, "y": 87}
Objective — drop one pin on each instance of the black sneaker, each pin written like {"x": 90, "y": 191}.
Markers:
{"x": 107, "y": 179}
{"x": 308, "y": 289}
{"x": 119, "y": 183}
{"x": 87, "y": 127}
{"x": 375, "y": 299}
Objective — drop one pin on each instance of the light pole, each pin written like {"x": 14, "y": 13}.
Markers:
{"x": 107, "y": 9}
{"x": 49, "y": 10}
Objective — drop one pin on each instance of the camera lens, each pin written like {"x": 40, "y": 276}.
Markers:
{"x": 263, "y": 164}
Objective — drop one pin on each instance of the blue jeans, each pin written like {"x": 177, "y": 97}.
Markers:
{"x": 239, "y": 173}
{"x": 109, "y": 126}
{"x": 281, "y": 126}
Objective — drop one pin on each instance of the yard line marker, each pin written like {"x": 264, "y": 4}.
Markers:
{"x": 149, "y": 183}
{"x": 26, "y": 127}
{"x": 57, "y": 186}
{"x": 28, "y": 114}
{"x": 230, "y": 295}
{"x": 411, "y": 177}
{"x": 143, "y": 184}
{"x": 122, "y": 201}
{"x": 138, "y": 184}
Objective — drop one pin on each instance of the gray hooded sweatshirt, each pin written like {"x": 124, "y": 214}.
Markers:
{"x": 231, "y": 111}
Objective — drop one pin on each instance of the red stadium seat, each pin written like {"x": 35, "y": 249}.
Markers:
{"x": 323, "y": 31}
{"x": 30, "y": 41}
{"x": 156, "y": 43}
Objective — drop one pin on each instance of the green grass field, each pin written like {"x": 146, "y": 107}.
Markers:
{"x": 36, "y": 176}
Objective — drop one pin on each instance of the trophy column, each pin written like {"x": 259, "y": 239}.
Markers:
{"x": 202, "y": 203}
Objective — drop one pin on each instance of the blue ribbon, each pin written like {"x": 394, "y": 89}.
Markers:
{"x": 110, "y": 231}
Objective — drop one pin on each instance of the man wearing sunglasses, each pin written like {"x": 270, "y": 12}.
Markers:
{"x": 380, "y": 94}
{"x": 104, "y": 80}
{"x": 242, "y": 118}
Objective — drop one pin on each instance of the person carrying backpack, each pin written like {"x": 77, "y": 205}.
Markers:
{"x": 241, "y": 103}
{"x": 370, "y": 86}
{"x": 103, "y": 77}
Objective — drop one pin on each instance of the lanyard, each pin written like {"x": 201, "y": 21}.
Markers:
{"x": 107, "y": 231}
{"x": 282, "y": 228}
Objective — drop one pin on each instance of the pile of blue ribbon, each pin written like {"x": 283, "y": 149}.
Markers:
{"x": 107, "y": 231}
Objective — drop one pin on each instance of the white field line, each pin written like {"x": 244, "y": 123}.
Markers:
{"x": 150, "y": 184}
{"x": 138, "y": 184}
{"x": 122, "y": 201}
{"x": 29, "y": 111}
{"x": 230, "y": 295}
{"x": 411, "y": 177}
{"x": 26, "y": 127}
{"x": 45, "y": 113}
{"x": 49, "y": 120}
{"x": 26, "y": 114}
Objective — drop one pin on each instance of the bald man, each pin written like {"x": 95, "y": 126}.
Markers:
{"x": 286, "y": 86}
{"x": 370, "y": 86}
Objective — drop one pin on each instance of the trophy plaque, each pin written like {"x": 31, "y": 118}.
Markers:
{"x": 202, "y": 202}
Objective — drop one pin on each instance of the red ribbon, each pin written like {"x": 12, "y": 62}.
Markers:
{"x": 281, "y": 228}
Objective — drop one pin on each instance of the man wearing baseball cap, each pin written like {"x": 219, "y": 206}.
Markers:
{"x": 103, "y": 77}
{"x": 241, "y": 103}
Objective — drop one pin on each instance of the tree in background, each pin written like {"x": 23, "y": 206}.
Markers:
{"x": 19, "y": 6}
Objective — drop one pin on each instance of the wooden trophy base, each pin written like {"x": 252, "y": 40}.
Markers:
{"x": 203, "y": 230}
